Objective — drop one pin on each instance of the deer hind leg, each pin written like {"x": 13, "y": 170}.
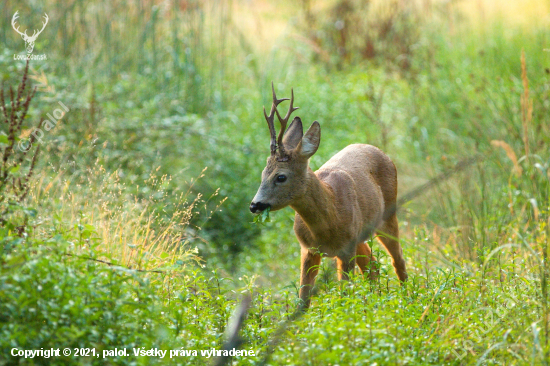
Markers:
{"x": 388, "y": 234}
{"x": 345, "y": 266}
{"x": 309, "y": 270}
{"x": 366, "y": 261}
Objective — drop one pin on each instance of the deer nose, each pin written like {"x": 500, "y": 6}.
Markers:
{"x": 258, "y": 206}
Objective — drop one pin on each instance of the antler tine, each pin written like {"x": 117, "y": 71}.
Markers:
{"x": 270, "y": 119}
{"x": 13, "y": 21}
{"x": 44, "y": 23}
{"x": 36, "y": 32}
{"x": 275, "y": 100}
{"x": 284, "y": 122}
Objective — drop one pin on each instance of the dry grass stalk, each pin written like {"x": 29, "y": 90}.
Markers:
{"x": 511, "y": 155}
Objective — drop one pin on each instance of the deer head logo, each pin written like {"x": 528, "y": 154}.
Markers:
{"x": 29, "y": 40}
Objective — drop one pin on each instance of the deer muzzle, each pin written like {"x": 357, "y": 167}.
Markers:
{"x": 258, "y": 206}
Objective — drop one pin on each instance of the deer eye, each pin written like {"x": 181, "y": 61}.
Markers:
{"x": 281, "y": 178}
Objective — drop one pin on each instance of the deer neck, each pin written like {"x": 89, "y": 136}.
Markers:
{"x": 317, "y": 207}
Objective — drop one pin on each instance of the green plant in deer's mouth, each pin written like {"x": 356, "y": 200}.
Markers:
{"x": 262, "y": 217}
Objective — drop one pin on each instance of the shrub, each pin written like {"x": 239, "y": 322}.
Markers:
{"x": 17, "y": 161}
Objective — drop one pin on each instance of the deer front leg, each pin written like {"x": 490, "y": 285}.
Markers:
{"x": 309, "y": 269}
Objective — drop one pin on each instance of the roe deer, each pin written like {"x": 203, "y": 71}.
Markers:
{"x": 336, "y": 205}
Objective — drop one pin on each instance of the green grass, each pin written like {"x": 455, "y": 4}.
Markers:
{"x": 135, "y": 245}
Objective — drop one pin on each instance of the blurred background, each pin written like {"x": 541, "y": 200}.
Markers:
{"x": 159, "y": 91}
{"x": 136, "y": 230}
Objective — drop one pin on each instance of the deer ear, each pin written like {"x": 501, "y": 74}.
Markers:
{"x": 294, "y": 134}
{"x": 310, "y": 141}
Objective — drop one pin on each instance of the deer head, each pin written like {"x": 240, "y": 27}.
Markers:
{"x": 29, "y": 40}
{"x": 285, "y": 176}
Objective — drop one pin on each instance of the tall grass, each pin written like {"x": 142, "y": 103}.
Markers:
{"x": 159, "y": 91}
{"x": 180, "y": 48}
{"x": 107, "y": 222}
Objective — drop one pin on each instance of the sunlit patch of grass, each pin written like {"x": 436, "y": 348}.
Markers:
{"x": 180, "y": 85}
{"x": 516, "y": 14}
{"x": 105, "y": 220}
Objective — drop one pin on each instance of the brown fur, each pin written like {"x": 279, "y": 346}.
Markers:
{"x": 335, "y": 204}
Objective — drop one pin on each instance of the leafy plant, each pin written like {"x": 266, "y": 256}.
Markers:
{"x": 171, "y": 87}
{"x": 15, "y": 167}
{"x": 262, "y": 217}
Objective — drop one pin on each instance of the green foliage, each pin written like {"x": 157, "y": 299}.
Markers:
{"x": 262, "y": 217}
{"x": 50, "y": 299}
{"x": 14, "y": 155}
{"x": 158, "y": 92}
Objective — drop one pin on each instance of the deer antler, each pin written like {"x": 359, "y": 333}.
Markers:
{"x": 270, "y": 118}
{"x": 43, "y": 26}
{"x": 284, "y": 122}
{"x": 13, "y": 19}
{"x": 24, "y": 34}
